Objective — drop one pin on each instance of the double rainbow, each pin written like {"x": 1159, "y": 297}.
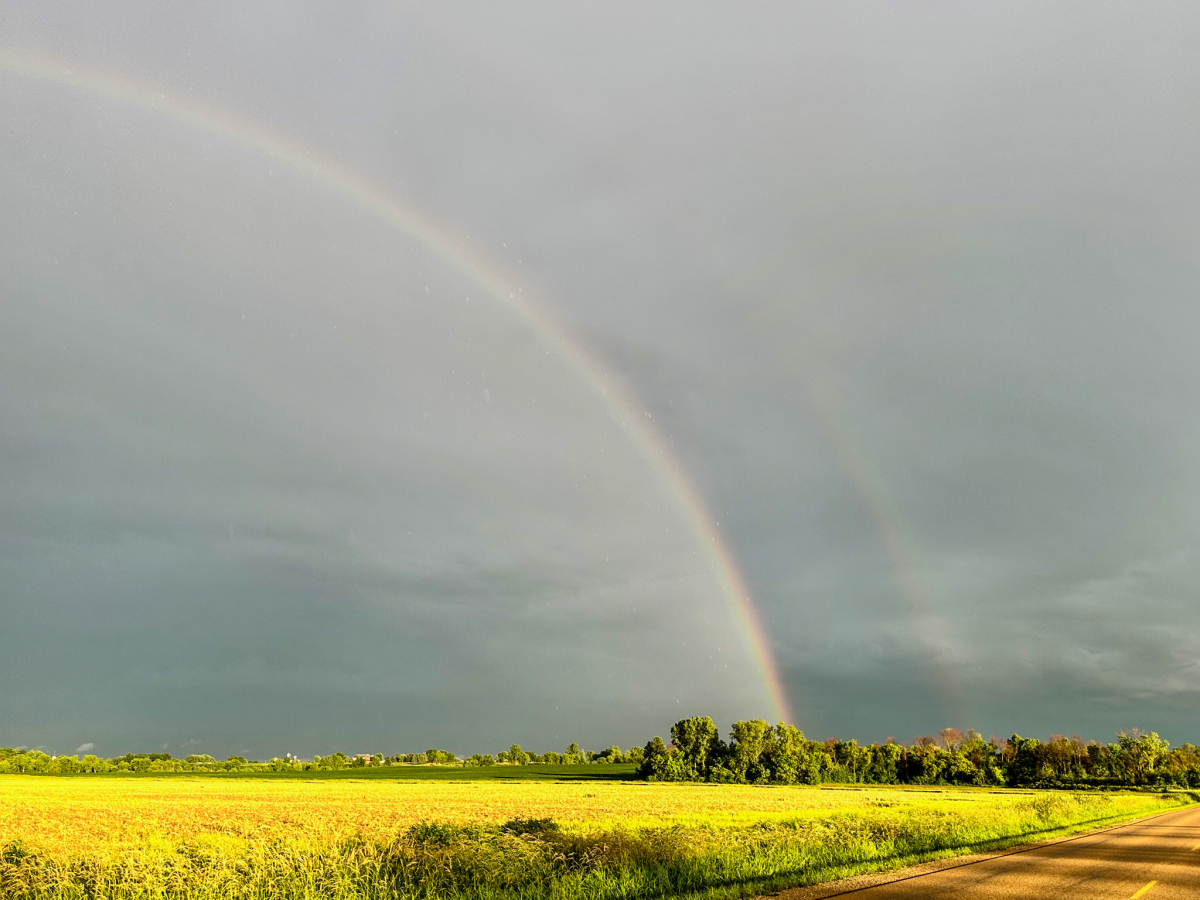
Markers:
{"x": 587, "y": 366}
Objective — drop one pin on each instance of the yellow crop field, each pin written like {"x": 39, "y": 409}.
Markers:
{"x": 197, "y": 837}
{"x": 75, "y": 812}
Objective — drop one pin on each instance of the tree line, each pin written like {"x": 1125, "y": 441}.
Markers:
{"x": 35, "y": 762}
{"x": 758, "y": 753}
{"x": 755, "y": 753}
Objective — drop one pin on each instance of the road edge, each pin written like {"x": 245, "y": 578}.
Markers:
{"x": 856, "y": 883}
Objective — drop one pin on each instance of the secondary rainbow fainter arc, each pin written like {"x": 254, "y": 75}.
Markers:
{"x": 650, "y": 444}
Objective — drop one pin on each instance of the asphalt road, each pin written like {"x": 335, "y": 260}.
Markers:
{"x": 1155, "y": 859}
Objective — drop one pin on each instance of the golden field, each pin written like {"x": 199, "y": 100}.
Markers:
{"x": 72, "y": 812}
{"x": 128, "y": 838}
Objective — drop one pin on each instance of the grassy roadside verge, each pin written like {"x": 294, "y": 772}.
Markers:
{"x": 537, "y": 858}
{"x": 914, "y": 846}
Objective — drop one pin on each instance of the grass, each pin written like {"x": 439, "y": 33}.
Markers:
{"x": 374, "y": 838}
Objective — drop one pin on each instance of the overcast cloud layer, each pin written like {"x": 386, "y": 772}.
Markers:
{"x": 910, "y": 289}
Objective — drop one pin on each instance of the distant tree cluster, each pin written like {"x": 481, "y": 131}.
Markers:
{"x": 36, "y": 762}
{"x": 758, "y": 753}
{"x": 755, "y": 753}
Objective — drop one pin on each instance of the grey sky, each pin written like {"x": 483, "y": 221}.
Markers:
{"x": 909, "y": 288}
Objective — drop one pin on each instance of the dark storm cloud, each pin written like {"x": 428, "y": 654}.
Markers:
{"x": 910, "y": 289}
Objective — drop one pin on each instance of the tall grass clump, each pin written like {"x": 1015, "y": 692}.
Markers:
{"x": 528, "y": 858}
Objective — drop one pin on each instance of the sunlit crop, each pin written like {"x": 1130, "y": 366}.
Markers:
{"x": 115, "y": 837}
{"x": 74, "y": 813}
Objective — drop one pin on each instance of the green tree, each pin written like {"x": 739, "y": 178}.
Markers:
{"x": 695, "y": 740}
{"x": 923, "y": 764}
{"x": 65, "y": 764}
{"x": 1141, "y": 754}
{"x": 660, "y": 763}
{"x": 958, "y": 769}
{"x": 787, "y": 757}
{"x": 1025, "y": 760}
{"x": 612, "y": 754}
{"x": 91, "y": 763}
{"x": 747, "y": 741}
{"x": 884, "y": 767}
{"x": 30, "y": 762}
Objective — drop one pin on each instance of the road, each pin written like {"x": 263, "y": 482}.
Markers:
{"x": 1154, "y": 859}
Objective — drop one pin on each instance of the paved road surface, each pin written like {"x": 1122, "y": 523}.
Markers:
{"x": 1155, "y": 859}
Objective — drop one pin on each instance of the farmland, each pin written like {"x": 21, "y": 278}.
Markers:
{"x": 201, "y": 836}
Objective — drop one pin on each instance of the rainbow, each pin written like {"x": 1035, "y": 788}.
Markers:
{"x": 930, "y": 631}
{"x": 649, "y": 442}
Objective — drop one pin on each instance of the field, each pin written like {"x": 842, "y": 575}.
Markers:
{"x": 202, "y": 837}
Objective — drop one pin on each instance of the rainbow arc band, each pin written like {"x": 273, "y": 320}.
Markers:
{"x": 651, "y": 444}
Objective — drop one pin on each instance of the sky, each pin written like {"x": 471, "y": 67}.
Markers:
{"x": 404, "y": 375}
